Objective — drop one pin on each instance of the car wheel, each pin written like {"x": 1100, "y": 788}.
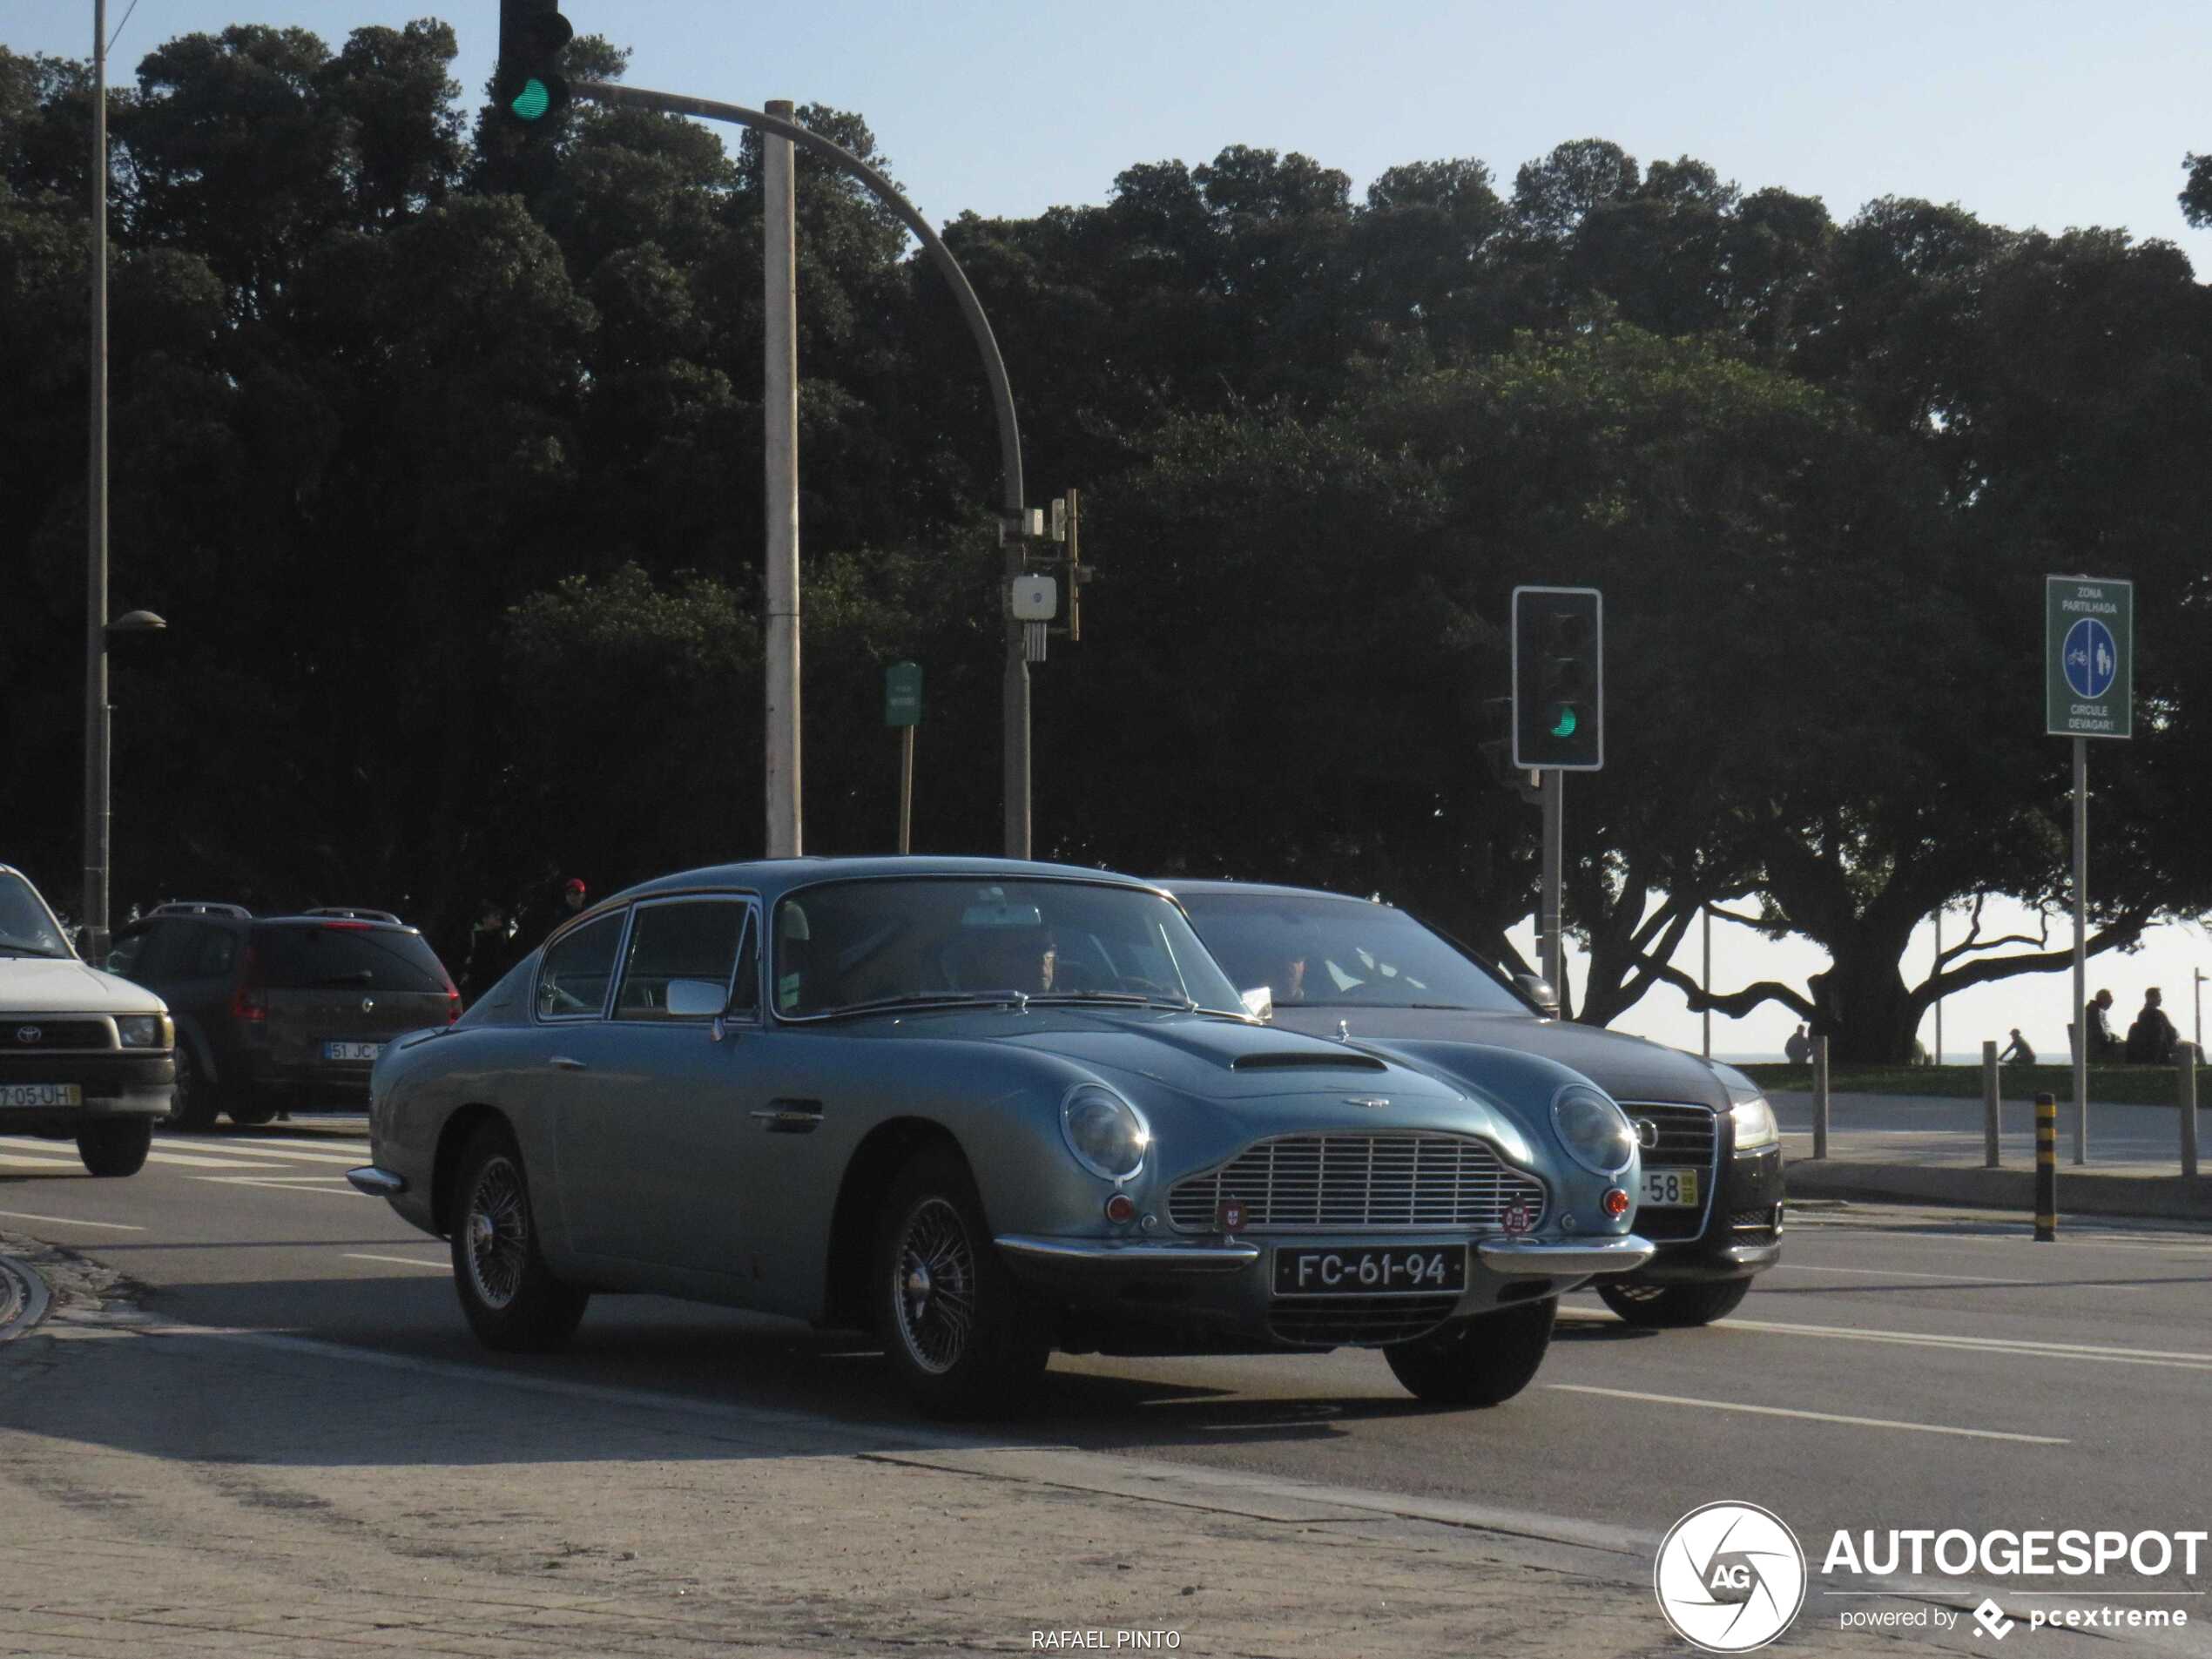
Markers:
{"x": 950, "y": 1314}
{"x": 115, "y": 1145}
{"x": 511, "y": 1296}
{"x": 1482, "y": 1361}
{"x": 197, "y": 1098}
{"x": 1674, "y": 1307}
{"x": 252, "y": 1117}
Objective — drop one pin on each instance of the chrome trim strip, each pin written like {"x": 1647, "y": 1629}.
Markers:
{"x": 1541, "y": 1258}
{"x": 377, "y": 1183}
{"x": 1109, "y": 1253}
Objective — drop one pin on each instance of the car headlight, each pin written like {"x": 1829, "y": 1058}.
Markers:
{"x": 145, "y": 1030}
{"x": 1756, "y": 1129}
{"x": 1593, "y": 1130}
{"x": 1104, "y": 1131}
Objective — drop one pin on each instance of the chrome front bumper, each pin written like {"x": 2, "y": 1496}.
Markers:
{"x": 1138, "y": 1255}
{"x": 377, "y": 1183}
{"x": 1530, "y": 1257}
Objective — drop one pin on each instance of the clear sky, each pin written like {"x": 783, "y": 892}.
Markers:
{"x": 2028, "y": 112}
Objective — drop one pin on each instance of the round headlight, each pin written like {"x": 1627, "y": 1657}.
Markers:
{"x": 1103, "y": 1131}
{"x": 1593, "y": 1130}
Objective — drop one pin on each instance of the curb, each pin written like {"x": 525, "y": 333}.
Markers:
{"x": 23, "y": 1299}
{"x": 2168, "y": 1198}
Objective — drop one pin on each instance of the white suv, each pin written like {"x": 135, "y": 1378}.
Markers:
{"x": 83, "y": 1054}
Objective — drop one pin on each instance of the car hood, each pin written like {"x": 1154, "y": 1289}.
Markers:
{"x": 1626, "y": 1068}
{"x": 48, "y": 985}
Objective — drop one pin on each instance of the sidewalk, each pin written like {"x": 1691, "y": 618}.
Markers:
{"x": 1927, "y": 1148}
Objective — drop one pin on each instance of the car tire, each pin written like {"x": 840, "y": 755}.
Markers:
{"x": 1482, "y": 1361}
{"x": 512, "y": 1298}
{"x": 115, "y": 1146}
{"x": 1674, "y": 1307}
{"x": 953, "y": 1321}
{"x": 252, "y": 1117}
{"x": 197, "y": 1099}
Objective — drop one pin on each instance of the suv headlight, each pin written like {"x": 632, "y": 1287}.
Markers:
{"x": 1756, "y": 1129}
{"x": 1104, "y": 1131}
{"x": 1593, "y": 1130}
{"x": 145, "y": 1030}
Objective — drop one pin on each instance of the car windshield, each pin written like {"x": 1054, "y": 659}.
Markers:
{"x": 1323, "y": 952}
{"x": 26, "y": 926}
{"x": 850, "y": 945}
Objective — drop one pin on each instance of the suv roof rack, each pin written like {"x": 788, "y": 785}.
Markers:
{"x": 353, "y": 912}
{"x": 200, "y": 907}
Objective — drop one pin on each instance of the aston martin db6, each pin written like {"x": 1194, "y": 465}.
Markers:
{"x": 987, "y": 1110}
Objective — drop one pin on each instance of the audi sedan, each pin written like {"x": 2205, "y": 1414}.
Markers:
{"x": 1711, "y": 1197}
{"x": 986, "y": 1110}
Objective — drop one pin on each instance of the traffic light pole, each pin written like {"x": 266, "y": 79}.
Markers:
{"x": 1554, "y": 860}
{"x": 971, "y": 308}
{"x": 2080, "y": 950}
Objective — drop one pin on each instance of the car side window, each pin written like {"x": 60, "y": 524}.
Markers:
{"x": 572, "y": 980}
{"x": 123, "y": 956}
{"x": 686, "y": 939}
{"x": 164, "y": 953}
{"x": 744, "y": 990}
{"x": 215, "y": 955}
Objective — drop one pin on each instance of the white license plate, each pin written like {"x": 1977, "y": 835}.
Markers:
{"x": 351, "y": 1050}
{"x": 1670, "y": 1189}
{"x": 41, "y": 1095}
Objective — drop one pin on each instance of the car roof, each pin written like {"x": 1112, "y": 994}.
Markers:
{"x": 771, "y": 878}
{"x": 1212, "y": 886}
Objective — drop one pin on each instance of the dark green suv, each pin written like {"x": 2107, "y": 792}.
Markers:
{"x": 275, "y": 1013}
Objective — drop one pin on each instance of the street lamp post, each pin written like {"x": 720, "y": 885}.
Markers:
{"x": 95, "y": 710}
{"x": 98, "y": 814}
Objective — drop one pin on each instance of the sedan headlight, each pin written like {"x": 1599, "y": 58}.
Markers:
{"x": 1756, "y": 1129}
{"x": 1105, "y": 1132}
{"x": 1593, "y": 1130}
{"x": 145, "y": 1030}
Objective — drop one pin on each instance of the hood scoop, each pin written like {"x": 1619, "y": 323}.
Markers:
{"x": 1304, "y": 1060}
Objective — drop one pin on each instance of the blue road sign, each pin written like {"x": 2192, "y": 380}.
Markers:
{"x": 2090, "y": 657}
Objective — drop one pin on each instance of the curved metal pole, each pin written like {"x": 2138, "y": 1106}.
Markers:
{"x": 638, "y": 98}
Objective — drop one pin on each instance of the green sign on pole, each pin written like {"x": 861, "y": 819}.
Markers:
{"x": 2089, "y": 658}
{"x": 903, "y": 694}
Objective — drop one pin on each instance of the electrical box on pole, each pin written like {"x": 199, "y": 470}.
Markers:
{"x": 1558, "y": 680}
{"x": 528, "y": 84}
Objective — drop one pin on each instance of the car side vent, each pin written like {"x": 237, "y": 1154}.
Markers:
{"x": 1301, "y": 1060}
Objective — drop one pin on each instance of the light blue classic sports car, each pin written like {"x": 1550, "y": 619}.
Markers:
{"x": 987, "y": 1110}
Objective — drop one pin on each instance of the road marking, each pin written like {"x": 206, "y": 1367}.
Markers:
{"x": 404, "y": 1261}
{"x": 195, "y": 1161}
{"x": 2172, "y": 1358}
{"x": 351, "y": 1149}
{"x": 1920, "y": 1239}
{"x": 295, "y": 1183}
{"x": 258, "y": 1155}
{"x": 17, "y": 1161}
{"x": 1896, "y": 1273}
{"x": 1817, "y": 1416}
{"x": 70, "y": 1221}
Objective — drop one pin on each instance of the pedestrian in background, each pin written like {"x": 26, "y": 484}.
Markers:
{"x": 1799, "y": 1049}
{"x": 2152, "y": 1040}
{"x": 2017, "y": 1053}
{"x": 2096, "y": 1020}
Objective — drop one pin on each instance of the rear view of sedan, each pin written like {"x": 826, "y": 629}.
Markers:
{"x": 1710, "y": 1192}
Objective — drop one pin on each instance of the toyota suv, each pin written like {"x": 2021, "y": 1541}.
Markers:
{"x": 83, "y": 1054}
{"x": 1711, "y": 1193}
{"x": 274, "y": 1012}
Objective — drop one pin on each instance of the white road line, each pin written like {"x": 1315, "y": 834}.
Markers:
{"x": 404, "y": 1261}
{"x": 70, "y": 1221}
{"x": 195, "y": 1161}
{"x": 301, "y": 1143}
{"x": 17, "y": 1161}
{"x": 296, "y": 1184}
{"x": 256, "y": 1155}
{"x": 2173, "y": 1359}
{"x": 1896, "y": 1272}
{"x": 1817, "y": 1416}
{"x": 1925, "y": 1241}
{"x": 40, "y": 1152}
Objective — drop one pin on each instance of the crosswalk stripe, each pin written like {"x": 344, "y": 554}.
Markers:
{"x": 267, "y": 1154}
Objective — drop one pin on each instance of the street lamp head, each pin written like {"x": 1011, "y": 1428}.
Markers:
{"x": 137, "y": 622}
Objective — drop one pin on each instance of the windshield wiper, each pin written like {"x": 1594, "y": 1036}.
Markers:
{"x": 924, "y": 999}
{"x": 1125, "y": 999}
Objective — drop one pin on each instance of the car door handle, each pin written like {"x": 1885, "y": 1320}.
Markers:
{"x": 788, "y": 1116}
{"x": 562, "y": 1062}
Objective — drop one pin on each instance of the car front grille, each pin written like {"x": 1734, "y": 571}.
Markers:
{"x": 1766, "y": 1220}
{"x": 1687, "y": 1137}
{"x": 1333, "y": 1320}
{"x": 20, "y": 1035}
{"x": 1361, "y": 1183}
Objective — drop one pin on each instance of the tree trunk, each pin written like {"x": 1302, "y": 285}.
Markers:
{"x": 1867, "y": 1010}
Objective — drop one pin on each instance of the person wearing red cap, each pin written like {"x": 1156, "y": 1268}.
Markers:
{"x": 573, "y": 894}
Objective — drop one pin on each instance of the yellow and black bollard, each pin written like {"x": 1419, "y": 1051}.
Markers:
{"x": 2047, "y": 1167}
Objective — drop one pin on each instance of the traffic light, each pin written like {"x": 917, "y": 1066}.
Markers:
{"x": 1558, "y": 679}
{"x": 529, "y": 85}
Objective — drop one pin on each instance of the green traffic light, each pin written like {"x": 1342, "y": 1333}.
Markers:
{"x": 532, "y": 101}
{"x": 1566, "y": 726}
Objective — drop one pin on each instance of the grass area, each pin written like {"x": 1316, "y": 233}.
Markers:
{"x": 2117, "y": 1085}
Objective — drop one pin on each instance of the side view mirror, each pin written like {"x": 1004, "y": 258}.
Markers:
{"x": 1539, "y": 990}
{"x": 696, "y": 999}
{"x": 1259, "y": 1002}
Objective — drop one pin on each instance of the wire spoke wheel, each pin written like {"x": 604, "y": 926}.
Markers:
{"x": 936, "y": 1293}
{"x": 497, "y": 1224}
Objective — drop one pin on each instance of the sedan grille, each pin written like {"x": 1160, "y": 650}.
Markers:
{"x": 20, "y": 1035}
{"x": 1686, "y": 1139}
{"x": 1361, "y": 1183}
{"x": 1330, "y": 1320}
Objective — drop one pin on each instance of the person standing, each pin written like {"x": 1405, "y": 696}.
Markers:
{"x": 1797, "y": 1050}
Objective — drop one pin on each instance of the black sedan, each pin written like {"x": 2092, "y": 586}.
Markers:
{"x": 1711, "y": 1197}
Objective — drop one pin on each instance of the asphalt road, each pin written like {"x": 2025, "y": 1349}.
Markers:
{"x": 1902, "y": 1368}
